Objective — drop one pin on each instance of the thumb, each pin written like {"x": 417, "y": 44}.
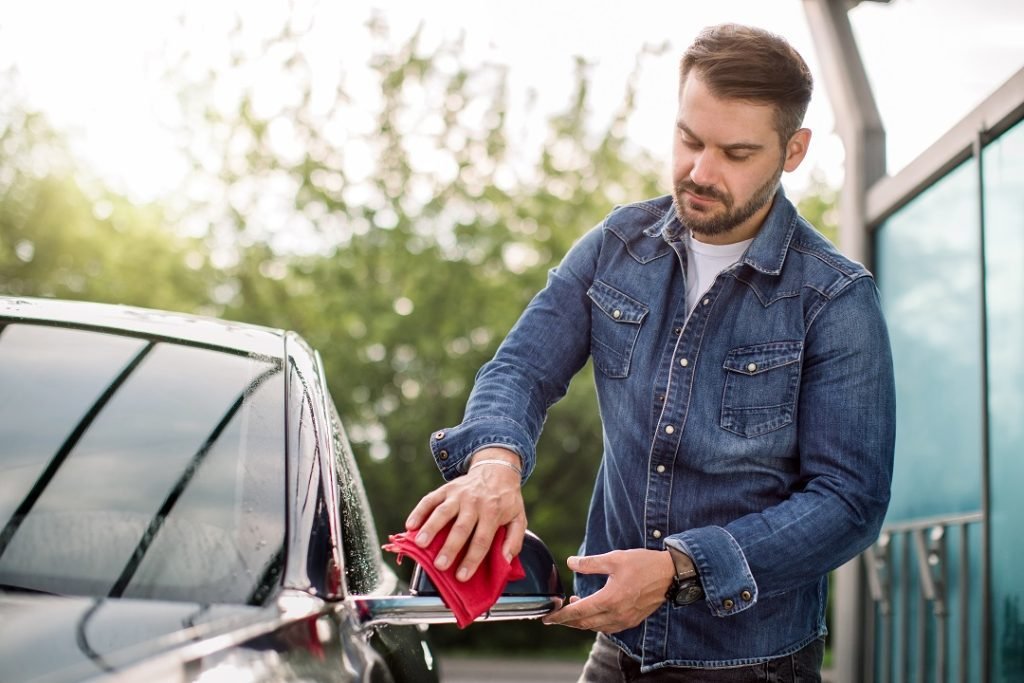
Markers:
{"x": 590, "y": 564}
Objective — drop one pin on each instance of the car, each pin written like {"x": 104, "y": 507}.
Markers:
{"x": 179, "y": 502}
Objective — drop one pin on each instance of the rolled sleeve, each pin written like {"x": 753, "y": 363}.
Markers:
{"x": 729, "y": 586}
{"x": 453, "y": 447}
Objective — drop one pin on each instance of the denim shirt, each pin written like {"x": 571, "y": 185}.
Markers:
{"x": 756, "y": 434}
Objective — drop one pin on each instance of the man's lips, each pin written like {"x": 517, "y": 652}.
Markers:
{"x": 699, "y": 199}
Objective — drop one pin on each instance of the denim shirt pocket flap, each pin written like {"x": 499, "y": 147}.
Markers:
{"x": 752, "y": 360}
{"x": 761, "y": 386}
{"x": 618, "y": 306}
{"x": 614, "y": 328}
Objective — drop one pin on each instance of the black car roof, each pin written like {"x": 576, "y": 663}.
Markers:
{"x": 195, "y": 329}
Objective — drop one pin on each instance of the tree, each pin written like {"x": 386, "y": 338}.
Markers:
{"x": 64, "y": 234}
{"x": 818, "y": 206}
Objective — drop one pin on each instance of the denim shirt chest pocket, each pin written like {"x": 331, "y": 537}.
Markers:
{"x": 615, "y": 325}
{"x": 761, "y": 385}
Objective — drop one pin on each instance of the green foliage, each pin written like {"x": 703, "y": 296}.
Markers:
{"x": 402, "y": 236}
{"x": 818, "y": 206}
{"x": 64, "y": 235}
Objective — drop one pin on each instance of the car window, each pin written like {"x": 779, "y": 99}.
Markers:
{"x": 362, "y": 553}
{"x": 138, "y": 468}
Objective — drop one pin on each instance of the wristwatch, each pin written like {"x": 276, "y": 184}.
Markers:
{"x": 686, "y": 587}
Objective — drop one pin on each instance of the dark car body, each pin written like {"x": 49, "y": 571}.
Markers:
{"x": 179, "y": 502}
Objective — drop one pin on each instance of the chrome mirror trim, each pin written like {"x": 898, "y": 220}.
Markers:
{"x": 408, "y": 610}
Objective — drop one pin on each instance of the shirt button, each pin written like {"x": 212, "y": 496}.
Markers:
{"x": 616, "y": 314}
{"x": 670, "y": 429}
{"x": 684, "y": 362}
{"x": 439, "y": 436}
{"x": 678, "y": 331}
{"x": 728, "y": 603}
{"x": 746, "y": 596}
{"x": 752, "y": 367}
{"x": 443, "y": 455}
{"x": 706, "y": 302}
{"x": 660, "y": 468}
{"x": 661, "y": 399}
{"x": 656, "y": 533}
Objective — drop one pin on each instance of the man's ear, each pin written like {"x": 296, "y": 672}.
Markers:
{"x": 796, "y": 149}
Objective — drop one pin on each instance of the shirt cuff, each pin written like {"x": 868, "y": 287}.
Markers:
{"x": 453, "y": 447}
{"x": 729, "y": 586}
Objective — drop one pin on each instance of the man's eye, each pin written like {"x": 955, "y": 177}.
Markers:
{"x": 732, "y": 156}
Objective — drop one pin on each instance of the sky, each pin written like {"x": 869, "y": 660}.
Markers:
{"x": 92, "y": 67}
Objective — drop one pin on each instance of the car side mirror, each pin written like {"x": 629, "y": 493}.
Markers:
{"x": 531, "y": 597}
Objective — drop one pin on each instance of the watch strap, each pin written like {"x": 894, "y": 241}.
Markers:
{"x": 684, "y": 566}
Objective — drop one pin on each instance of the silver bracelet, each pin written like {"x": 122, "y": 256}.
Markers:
{"x": 496, "y": 462}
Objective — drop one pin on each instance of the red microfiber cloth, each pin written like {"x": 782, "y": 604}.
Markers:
{"x": 466, "y": 599}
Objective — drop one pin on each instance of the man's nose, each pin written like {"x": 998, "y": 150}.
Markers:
{"x": 704, "y": 171}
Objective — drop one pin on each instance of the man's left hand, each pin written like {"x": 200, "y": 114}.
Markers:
{"x": 637, "y": 582}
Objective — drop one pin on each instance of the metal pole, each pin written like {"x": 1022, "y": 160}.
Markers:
{"x": 965, "y": 587}
{"x": 904, "y": 611}
{"x": 925, "y": 593}
{"x": 937, "y": 559}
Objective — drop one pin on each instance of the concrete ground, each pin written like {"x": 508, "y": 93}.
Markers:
{"x": 460, "y": 670}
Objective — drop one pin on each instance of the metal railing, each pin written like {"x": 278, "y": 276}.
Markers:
{"x": 914, "y": 557}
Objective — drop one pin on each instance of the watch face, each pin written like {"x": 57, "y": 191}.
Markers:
{"x": 687, "y": 591}
{"x": 690, "y": 593}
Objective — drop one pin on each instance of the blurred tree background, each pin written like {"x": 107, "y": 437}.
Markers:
{"x": 401, "y": 237}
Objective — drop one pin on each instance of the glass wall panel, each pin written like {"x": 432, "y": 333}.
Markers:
{"x": 928, "y": 273}
{"x": 1004, "y": 258}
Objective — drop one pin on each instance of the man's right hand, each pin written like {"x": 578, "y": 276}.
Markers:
{"x": 486, "y": 498}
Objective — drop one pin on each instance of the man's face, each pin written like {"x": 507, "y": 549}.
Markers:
{"x": 726, "y": 163}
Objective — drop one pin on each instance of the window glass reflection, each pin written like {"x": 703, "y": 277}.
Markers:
{"x": 49, "y": 379}
{"x": 929, "y": 277}
{"x": 172, "y": 487}
{"x": 1004, "y": 263}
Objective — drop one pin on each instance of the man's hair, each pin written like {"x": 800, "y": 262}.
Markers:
{"x": 747, "y": 63}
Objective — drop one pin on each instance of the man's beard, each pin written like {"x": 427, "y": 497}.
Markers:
{"x": 720, "y": 222}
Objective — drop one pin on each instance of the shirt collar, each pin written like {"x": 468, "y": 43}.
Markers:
{"x": 768, "y": 250}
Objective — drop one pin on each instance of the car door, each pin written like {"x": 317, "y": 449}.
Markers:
{"x": 406, "y": 649}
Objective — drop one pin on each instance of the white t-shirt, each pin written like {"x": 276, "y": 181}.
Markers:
{"x": 705, "y": 262}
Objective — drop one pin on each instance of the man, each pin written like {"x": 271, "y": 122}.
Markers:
{"x": 746, "y": 393}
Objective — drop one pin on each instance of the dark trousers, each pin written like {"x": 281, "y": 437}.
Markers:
{"x": 608, "y": 664}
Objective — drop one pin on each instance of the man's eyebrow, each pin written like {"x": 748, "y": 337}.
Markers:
{"x": 735, "y": 147}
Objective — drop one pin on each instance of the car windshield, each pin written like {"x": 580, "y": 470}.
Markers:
{"x": 138, "y": 468}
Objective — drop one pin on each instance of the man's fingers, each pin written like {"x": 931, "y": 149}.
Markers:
{"x": 583, "y": 613}
{"x": 423, "y": 509}
{"x": 439, "y": 518}
{"x": 460, "y": 532}
{"x": 514, "y": 533}
{"x": 592, "y": 564}
{"x": 477, "y": 549}
{"x": 590, "y": 614}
